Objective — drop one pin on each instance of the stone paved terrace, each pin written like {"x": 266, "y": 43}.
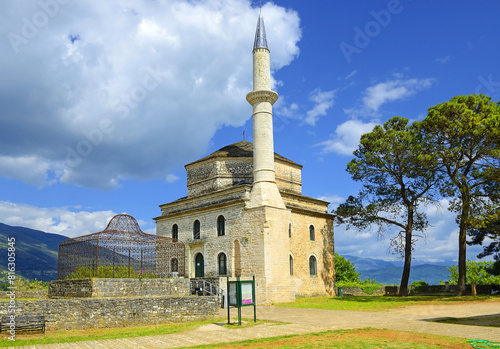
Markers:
{"x": 301, "y": 321}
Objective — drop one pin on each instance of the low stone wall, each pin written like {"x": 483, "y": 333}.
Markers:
{"x": 73, "y": 314}
{"x": 115, "y": 287}
{"x": 25, "y": 294}
{"x": 357, "y": 291}
{"x": 480, "y": 289}
{"x": 431, "y": 289}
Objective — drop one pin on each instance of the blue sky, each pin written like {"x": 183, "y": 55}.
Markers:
{"x": 102, "y": 104}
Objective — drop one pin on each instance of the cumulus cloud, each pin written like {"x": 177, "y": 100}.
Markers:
{"x": 389, "y": 91}
{"x": 322, "y": 102}
{"x": 97, "y": 92}
{"x": 346, "y": 137}
{"x": 440, "y": 244}
{"x": 68, "y": 221}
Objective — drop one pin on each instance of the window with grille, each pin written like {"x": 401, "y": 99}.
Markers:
{"x": 222, "y": 264}
{"x": 312, "y": 266}
{"x": 196, "y": 229}
{"x": 221, "y": 226}
{"x": 175, "y": 232}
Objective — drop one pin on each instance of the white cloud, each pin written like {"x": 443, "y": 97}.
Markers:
{"x": 346, "y": 137}
{"x": 443, "y": 60}
{"x": 334, "y": 201}
{"x": 106, "y": 91}
{"x": 68, "y": 221}
{"x": 171, "y": 178}
{"x": 322, "y": 102}
{"x": 389, "y": 91}
{"x": 439, "y": 245}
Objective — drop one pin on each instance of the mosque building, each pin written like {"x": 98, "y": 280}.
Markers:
{"x": 245, "y": 215}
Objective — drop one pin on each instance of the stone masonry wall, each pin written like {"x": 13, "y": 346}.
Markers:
{"x": 116, "y": 287}
{"x": 73, "y": 314}
{"x": 70, "y": 288}
{"x": 302, "y": 248}
{"x": 25, "y": 294}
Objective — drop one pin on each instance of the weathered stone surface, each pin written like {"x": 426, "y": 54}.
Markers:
{"x": 116, "y": 287}
{"x": 73, "y": 314}
{"x": 25, "y": 294}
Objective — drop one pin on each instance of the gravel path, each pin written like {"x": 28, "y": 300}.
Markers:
{"x": 300, "y": 321}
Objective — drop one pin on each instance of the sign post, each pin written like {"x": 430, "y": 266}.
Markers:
{"x": 241, "y": 293}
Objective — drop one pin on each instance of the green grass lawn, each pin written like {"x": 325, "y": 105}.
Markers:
{"x": 351, "y": 339}
{"x": 378, "y": 303}
{"x": 100, "y": 333}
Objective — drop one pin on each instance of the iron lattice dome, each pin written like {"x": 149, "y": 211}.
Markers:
{"x": 122, "y": 245}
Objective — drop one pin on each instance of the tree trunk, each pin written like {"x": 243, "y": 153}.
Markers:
{"x": 403, "y": 287}
{"x": 462, "y": 247}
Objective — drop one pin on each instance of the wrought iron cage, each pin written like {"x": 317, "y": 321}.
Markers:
{"x": 121, "y": 250}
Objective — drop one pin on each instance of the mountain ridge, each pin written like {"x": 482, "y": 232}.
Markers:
{"x": 390, "y": 272}
{"x": 36, "y": 251}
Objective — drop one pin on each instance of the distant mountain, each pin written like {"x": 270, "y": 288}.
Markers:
{"x": 363, "y": 264}
{"x": 36, "y": 252}
{"x": 389, "y": 273}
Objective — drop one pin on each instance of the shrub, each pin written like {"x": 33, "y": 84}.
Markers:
{"x": 418, "y": 285}
{"x": 106, "y": 271}
{"x": 24, "y": 284}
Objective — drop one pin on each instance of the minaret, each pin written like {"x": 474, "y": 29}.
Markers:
{"x": 264, "y": 190}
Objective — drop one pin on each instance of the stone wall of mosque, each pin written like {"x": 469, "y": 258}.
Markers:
{"x": 312, "y": 254}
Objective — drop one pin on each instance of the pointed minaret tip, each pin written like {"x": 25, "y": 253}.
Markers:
{"x": 260, "y": 34}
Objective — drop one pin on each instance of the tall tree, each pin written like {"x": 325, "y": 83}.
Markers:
{"x": 487, "y": 226}
{"x": 464, "y": 133}
{"x": 396, "y": 180}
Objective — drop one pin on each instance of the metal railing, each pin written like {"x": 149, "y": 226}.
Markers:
{"x": 203, "y": 287}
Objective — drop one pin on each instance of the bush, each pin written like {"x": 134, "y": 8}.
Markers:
{"x": 106, "y": 271}
{"x": 418, "y": 285}
{"x": 477, "y": 272}
{"x": 368, "y": 286}
{"x": 24, "y": 284}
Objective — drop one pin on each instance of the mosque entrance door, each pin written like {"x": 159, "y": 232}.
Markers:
{"x": 199, "y": 266}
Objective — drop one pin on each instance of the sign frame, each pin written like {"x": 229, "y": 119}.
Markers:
{"x": 241, "y": 293}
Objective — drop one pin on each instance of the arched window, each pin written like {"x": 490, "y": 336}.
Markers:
{"x": 196, "y": 229}
{"x": 313, "y": 270}
{"x": 175, "y": 232}
{"x": 291, "y": 265}
{"x": 312, "y": 234}
{"x": 221, "y": 226}
{"x": 289, "y": 230}
{"x": 222, "y": 264}
{"x": 174, "y": 265}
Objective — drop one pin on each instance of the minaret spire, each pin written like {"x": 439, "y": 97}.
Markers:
{"x": 260, "y": 34}
{"x": 264, "y": 190}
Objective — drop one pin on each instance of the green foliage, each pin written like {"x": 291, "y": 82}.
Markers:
{"x": 464, "y": 135}
{"x": 347, "y": 276}
{"x": 106, "y": 271}
{"x": 345, "y": 271}
{"x": 23, "y": 284}
{"x": 487, "y": 226}
{"x": 396, "y": 180}
{"x": 494, "y": 269}
{"x": 476, "y": 272}
{"x": 418, "y": 285}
